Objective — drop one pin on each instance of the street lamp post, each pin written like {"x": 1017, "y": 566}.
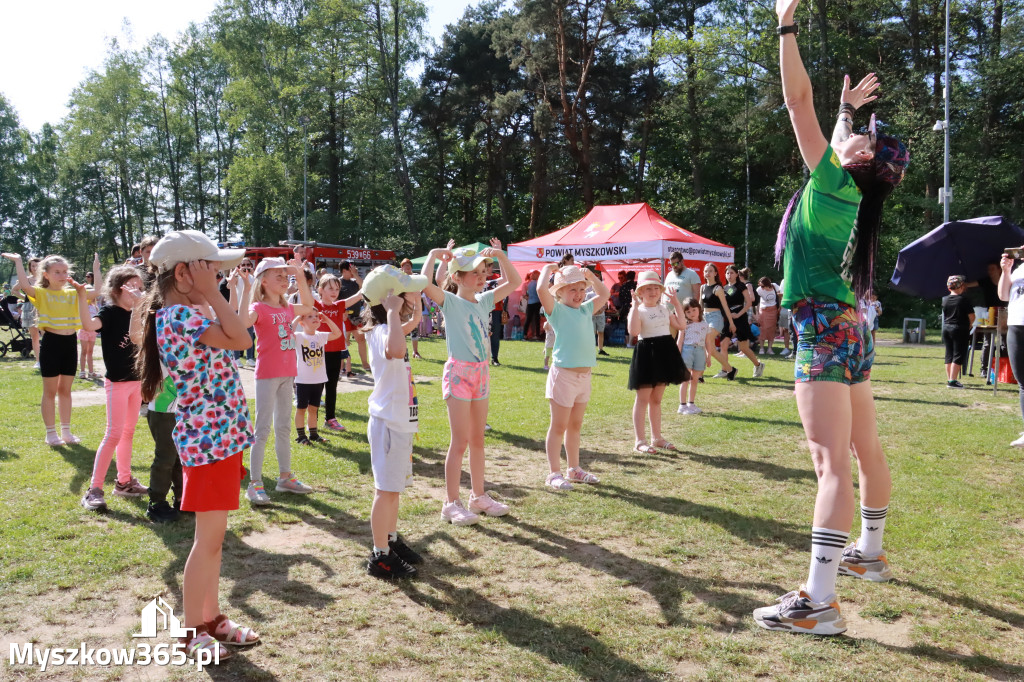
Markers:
{"x": 946, "y": 191}
{"x": 304, "y": 121}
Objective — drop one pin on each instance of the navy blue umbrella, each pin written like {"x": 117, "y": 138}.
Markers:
{"x": 960, "y": 247}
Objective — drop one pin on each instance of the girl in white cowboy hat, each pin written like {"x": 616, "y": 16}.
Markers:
{"x": 568, "y": 385}
{"x": 656, "y": 360}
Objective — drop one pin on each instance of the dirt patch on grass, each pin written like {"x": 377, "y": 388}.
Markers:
{"x": 891, "y": 634}
{"x": 286, "y": 539}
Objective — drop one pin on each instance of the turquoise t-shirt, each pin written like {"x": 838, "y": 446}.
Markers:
{"x": 467, "y": 326}
{"x": 574, "y": 335}
{"x": 821, "y": 236}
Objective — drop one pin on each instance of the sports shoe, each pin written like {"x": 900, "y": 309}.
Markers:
{"x": 302, "y": 440}
{"x": 694, "y": 409}
{"x": 731, "y": 374}
{"x": 457, "y": 515}
{"x": 1019, "y": 443}
{"x": 785, "y": 353}
{"x": 161, "y": 512}
{"x": 556, "y": 481}
{"x": 759, "y": 370}
{"x": 408, "y": 554}
{"x": 83, "y": 374}
{"x": 722, "y": 374}
{"x": 35, "y": 366}
{"x": 93, "y": 500}
{"x": 54, "y": 441}
{"x": 318, "y": 439}
{"x": 130, "y": 489}
{"x": 487, "y": 427}
{"x": 601, "y": 352}
{"x": 682, "y": 410}
{"x": 334, "y": 425}
{"x": 764, "y": 351}
{"x": 292, "y": 485}
{"x": 954, "y": 384}
{"x": 256, "y": 495}
{"x": 796, "y": 613}
{"x": 485, "y": 505}
{"x": 855, "y": 563}
{"x": 389, "y": 566}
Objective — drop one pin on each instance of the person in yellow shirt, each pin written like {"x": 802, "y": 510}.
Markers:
{"x": 56, "y": 302}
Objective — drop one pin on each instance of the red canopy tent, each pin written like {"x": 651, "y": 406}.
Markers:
{"x": 625, "y": 237}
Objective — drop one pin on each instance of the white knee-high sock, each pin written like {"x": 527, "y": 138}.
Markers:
{"x": 872, "y": 526}
{"x": 826, "y": 552}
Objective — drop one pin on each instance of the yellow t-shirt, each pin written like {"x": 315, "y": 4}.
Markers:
{"x": 58, "y": 310}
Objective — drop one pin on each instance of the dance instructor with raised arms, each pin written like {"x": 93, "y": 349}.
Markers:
{"x": 829, "y": 235}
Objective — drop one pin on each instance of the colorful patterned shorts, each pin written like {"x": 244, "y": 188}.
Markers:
{"x": 465, "y": 380}
{"x": 833, "y": 343}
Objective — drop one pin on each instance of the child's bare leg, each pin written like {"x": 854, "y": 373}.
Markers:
{"x": 458, "y": 423}
{"x": 478, "y": 418}
{"x": 556, "y": 431}
{"x": 202, "y": 569}
{"x": 64, "y": 398}
{"x": 383, "y": 517}
{"x": 654, "y": 410}
{"x": 572, "y": 435}
{"x": 48, "y": 405}
{"x": 643, "y": 397}
{"x": 311, "y": 416}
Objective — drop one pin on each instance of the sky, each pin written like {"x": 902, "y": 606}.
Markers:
{"x": 40, "y": 66}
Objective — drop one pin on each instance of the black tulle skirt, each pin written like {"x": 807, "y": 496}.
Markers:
{"x": 656, "y": 361}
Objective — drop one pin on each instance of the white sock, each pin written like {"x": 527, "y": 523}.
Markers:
{"x": 377, "y": 551}
{"x": 65, "y": 429}
{"x": 51, "y": 431}
{"x": 826, "y": 551}
{"x": 392, "y": 536}
{"x": 872, "y": 526}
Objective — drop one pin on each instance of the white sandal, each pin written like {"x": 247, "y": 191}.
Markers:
{"x": 577, "y": 475}
{"x": 556, "y": 481}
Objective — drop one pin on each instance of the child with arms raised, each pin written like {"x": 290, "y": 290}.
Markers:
{"x": 465, "y": 383}
{"x": 312, "y": 372}
{"x": 56, "y": 304}
{"x": 271, "y": 316}
{"x": 213, "y": 426}
{"x": 656, "y": 360}
{"x": 568, "y": 385}
{"x": 391, "y": 311}
{"x": 123, "y": 388}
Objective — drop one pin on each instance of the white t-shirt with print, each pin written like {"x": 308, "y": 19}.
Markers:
{"x": 309, "y": 355}
{"x": 393, "y": 399}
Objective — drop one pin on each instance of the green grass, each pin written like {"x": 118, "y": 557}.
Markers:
{"x": 650, "y": 575}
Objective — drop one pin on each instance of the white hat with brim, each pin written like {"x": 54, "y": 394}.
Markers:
{"x": 647, "y": 279}
{"x": 269, "y": 264}
{"x": 466, "y": 260}
{"x": 185, "y": 246}
{"x": 570, "y": 274}
{"x": 385, "y": 279}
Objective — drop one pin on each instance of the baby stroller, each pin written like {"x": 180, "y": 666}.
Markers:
{"x": 12, "y": 336}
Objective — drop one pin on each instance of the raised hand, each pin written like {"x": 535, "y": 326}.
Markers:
{"x": 490, "y": 252}
{"x": 136, "y": 293}
{"x": 204, "y": 276}
{"x": 785, "y": 9}
{"x": 78, "y": 286}
{"x": 12, "y": 257}
{"x": 860, "y": 94}
{"x": 295, "y": 267}
{"x": 451, "y": 244}
{"x": 445, "y": 255}
{"x": 496, "y": 243}
{"x": 392, "y": 302}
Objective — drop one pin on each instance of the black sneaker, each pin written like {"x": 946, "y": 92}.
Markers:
{"x": 601, "y": 352}
{"x": 176, "y": 505}
{"x": 317, "y": 439}
{"x": 731, "y": 375}
{"x": 408, "y": 554}
{"x": 161, "y": 512}
{"x": 954, "y": 384}
{"x": 389, "y": 566}
{"x": 302, "y": 440}
{"x": 700, "y": 380}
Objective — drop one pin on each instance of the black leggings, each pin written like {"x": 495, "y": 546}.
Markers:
{"x": 332, "y": 362}
{"x": 532, "y": 323}
{"x": 497, "y": 330}
{"x": 1015, "y": 349}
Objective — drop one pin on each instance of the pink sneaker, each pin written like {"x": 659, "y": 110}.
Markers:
{"x": 334, "y": 425}
{"x": 485, "y": 505}
{"x": 457, "y": 515}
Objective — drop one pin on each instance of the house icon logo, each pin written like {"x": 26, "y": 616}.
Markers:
{"x": 158, "y": 615}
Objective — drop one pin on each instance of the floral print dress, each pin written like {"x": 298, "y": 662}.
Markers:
{"x": 213, "y": 418}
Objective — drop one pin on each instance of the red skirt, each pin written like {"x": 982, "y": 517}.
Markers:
{"x": 213, "y": 487}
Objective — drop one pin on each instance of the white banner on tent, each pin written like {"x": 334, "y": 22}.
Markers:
{"x": 622, "y": 251}
{"x": 701, "y": 252}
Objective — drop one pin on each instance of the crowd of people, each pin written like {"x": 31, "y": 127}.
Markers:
{"x": 175, "y": 331}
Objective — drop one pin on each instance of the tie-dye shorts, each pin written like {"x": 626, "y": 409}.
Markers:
{"x": 465, "y": 380}
{"x": 833, "y": 343}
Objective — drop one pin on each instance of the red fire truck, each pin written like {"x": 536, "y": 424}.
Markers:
{"x": 324, "y": 255}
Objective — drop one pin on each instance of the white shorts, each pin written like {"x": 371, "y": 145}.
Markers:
{"x": 784, "y": 318}
{"x": 567, "y": 388}
{"x": 390, "y": 456}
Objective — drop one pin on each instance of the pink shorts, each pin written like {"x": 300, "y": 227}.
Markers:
{"x": 567, "y": 388}
{"x": 86, "y": 335}
{"x": 465, "y": 380}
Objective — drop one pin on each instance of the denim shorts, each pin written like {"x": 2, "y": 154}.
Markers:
{"x": 695, "y": 357}
{"x": 715, "y": 319}
{"x": 833, "y": 343}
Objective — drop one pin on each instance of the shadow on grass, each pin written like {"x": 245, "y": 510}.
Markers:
{"x": 8, "y": 454}
{"x": 430, "y": 464}
{"x": 82, "y": 459}
{"x": 728, "y": 416}
{"x": 767, "y": 469}
{"x": 751, "y": 529}
{"x": 916, "y": 400}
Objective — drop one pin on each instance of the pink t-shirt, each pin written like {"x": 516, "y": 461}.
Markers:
{"x": 275, "y": 342}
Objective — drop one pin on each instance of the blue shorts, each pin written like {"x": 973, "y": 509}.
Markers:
{"x": 833, "y": 343}
{"x": 695, "y": 357}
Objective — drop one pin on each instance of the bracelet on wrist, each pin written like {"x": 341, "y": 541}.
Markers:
{"x": 791, "y": 28}
{"x": 847, "y": 108}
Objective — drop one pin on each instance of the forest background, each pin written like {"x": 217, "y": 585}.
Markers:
{"x": 525, "y": 114}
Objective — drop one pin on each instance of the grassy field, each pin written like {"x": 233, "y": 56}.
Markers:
{"x": 650, "y": 575}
